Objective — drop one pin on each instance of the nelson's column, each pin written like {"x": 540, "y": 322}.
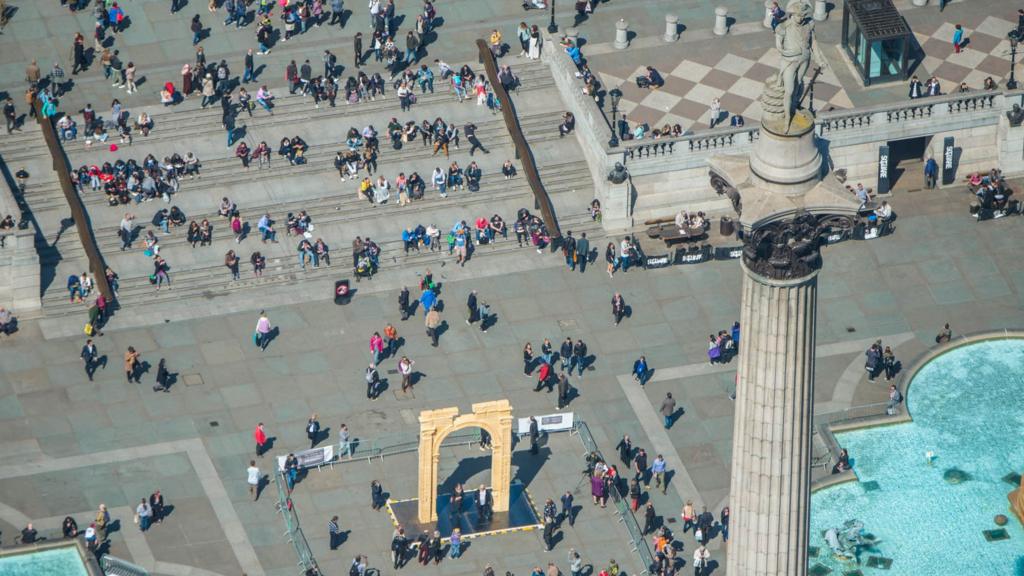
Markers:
{"x": 787, "y": 206}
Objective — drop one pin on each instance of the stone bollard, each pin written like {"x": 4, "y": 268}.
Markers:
{"x": 621, "y": 34}
{"x": 919, "y": 2}
{"x": 671, "y": 27}
{"x": 720, "y": 21}
{"x": 820, "y": 10}
{"x": 768, "y": 13}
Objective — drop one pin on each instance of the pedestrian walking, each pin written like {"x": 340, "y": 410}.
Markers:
{"x": 131, "y": 366}
{"x": 143, "y": 515}
{"x": 260, "y": 436}
{"x": 345, "y": 444}
{"x": 156, "y": 504}
{"x": 579, "y": 357}
{"x": 472, "y": 308}
{"x": 334, "y": 532}
{"x": 405, "y": 369}
{"x": 372, "y": 381}
{"x": 668, "y": 409}
{"x": 723, "y": 520}
{"x": 640, "y": 370}
{"x": 399, "y": 548}
{"x": 567, "y": 507}
{"x": 261, "y": 337}
{"x": 650, "y": 518}
{"x": 403, "y": 303}
{"x": 575, "y": 563}
{"x": 433, "y": 324}
{"x": 313, "y": 430}
{"x": 958, "y": 39}
{"x": 563, "y": 391}
{"x": 582, "y": 252}
{"x": 163, "y": 377}
{"x": 618, "y": 308}
{"x": 701, "y": 556}
{"x": 658, "y": 471}
{"x": 455, "y": 542}
{"x": 252, "y": 474}
{"x": 714, "y": 112}
{"x": 569, "y": 250}
{"x": 376, "y": 495}
{"x": 889, "y": 364}
{"x": 549, "y": 531}
{"x": 90, "y": 357}
{"x": 528, "y": 360}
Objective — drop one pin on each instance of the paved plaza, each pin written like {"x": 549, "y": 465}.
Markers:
{"x": 70, "y": 444}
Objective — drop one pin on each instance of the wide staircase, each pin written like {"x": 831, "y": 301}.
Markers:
{"x": 198, "y": 274}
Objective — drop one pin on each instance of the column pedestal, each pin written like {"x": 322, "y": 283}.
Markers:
{"x": 621, "y": 35}
{"x": 820, "y": 10}
{"x": 671, "y": 28}
{"x": 770, "y": 493}
{"x": 721, "y": 23}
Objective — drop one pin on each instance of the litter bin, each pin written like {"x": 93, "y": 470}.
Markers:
{"x": 342, "y": 292}
{"x": 726, "y": 227}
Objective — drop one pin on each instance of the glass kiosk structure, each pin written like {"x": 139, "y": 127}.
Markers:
{"x": 877, "y": 39}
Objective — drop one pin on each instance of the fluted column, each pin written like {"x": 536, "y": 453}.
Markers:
{"x": 770, "y": 494}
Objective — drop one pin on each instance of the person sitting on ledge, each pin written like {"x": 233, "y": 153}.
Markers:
{"x": 843, "y": 464}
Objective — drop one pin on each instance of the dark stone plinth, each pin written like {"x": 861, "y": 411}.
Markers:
{"x": 520, "y": 516}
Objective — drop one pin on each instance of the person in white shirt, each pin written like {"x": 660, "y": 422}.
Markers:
{"x": 700, "y": 560}
{"x": 253, "y": 479}
{"x": 884, "y": 212}
{"x": 381, "y": 190}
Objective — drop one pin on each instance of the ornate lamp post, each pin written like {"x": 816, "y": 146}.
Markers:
{"x": 1014, "y": 37}
{"x": 615, "y": 94}
{"x": 552, "y": 27}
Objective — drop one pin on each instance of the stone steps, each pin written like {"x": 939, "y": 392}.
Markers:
{"x": 320, "y": 159}
{"x": 211, "y": 281}
{"x": 345, "y": 208}
{"x": 288, "y": 109}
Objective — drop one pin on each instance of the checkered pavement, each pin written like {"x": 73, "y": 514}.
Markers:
{"x": 736, "y": 78}
{"x": 987, "y": 52}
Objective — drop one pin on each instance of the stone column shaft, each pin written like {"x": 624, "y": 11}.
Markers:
{"x": 770, "y": 498}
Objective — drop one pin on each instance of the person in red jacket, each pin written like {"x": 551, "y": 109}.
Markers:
{"x": 260, "y": 435}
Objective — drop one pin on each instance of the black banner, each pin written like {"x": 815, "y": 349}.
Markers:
{"x": 694, "y": 255}
{"x": 660, "y": 261}
{"x": 948, "y": 160}
{"x": 883, "y": 170}
{"x": 728, "y": 252}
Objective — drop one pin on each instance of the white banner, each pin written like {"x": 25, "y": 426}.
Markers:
{"x": 310, "y": 458}
{"x": 547, "y": 423}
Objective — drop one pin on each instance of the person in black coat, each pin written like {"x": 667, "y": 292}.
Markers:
{"x": 625, "y": 448}
{"x": 403, "y": 303}
{"x": 916, "y": 88}
{"x": 472, "y": 308}
{"x": 162, "y": 375}
{"x": 90, "y": 356}
{"x": 563, "y": 391}
{"x": 313, "y": 430}
{"x": 618, "y": 308}
{"x": 376, "y": 495}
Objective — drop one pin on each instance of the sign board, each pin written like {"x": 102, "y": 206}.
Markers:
{"x": 659, "y": 261}
{"x": 728, "y": 252}
{"x": 702, "y": 254}
{"x": 310, "y": 458}
{"x": 883, "y": 170}
{"x": 547, "y": 423}
{"x": 948, "y": 160}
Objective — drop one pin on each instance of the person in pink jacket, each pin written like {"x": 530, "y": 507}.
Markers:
{"x": 376, "y": 347}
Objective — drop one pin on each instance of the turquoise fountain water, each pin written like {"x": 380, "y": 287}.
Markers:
{"x": 53, "y": 562}
{"x": 968, "y": 411}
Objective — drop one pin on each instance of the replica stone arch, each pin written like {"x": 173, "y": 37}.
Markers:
{"x": 496, "y": 418}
